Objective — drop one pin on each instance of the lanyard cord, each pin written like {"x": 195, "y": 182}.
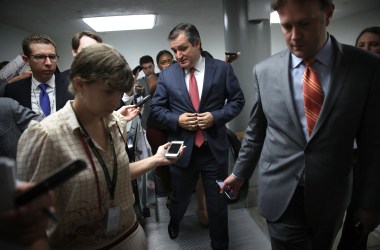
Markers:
{"x": 86, "y": 148}
{"x": 111, "y": 183}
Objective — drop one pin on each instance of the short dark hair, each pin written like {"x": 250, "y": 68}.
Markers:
{"x": 75, "y": 41}
{"x": 36, "y": 38}
{"x": 276, "y": 4}
{"x": 374, "y": 30}
{"x": 190, "y": 31}
{"x": 146, "y": 59}
{"x": 162, "y": 52}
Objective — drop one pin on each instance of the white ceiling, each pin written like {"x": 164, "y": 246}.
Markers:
{"x": 64, "y": 16}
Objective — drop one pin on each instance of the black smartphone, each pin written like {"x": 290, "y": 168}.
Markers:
{"x": 137, "y": 68}
{"x": 144, "y": 100}
{"x": 227, "y": 190}
{"x": 230, "y": 53}
{"x": 174, "y": 149}
{"x": 65, "y": 172}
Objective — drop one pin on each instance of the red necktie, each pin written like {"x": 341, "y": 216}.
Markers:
{"x": 194, "y": 97}
{"x": 312, "y": 94}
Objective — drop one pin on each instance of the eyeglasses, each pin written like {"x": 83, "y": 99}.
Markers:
{"x": 42, "y": 58}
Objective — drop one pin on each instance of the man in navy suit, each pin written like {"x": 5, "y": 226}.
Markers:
{"x": 41, "y": 55}
{"x": 221, "y": 99}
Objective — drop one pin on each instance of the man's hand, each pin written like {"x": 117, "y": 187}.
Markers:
{"x": 368, "y": 219}
{"x": 22, "y": 75}
{"x": 205, "y": 120}
{"x": 27, "y": 224}
{"x": 129, "y": 112}
{"x": 234, "y": 183}
{"x": 139, "y": 89}
{"x": 188, "y": 121}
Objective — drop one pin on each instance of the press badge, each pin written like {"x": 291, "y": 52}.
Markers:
{"x": 113, "y": 219}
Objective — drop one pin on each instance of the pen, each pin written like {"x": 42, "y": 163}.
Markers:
{"x": 50, "y": 214}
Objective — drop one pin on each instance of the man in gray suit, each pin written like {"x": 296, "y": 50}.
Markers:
{"x": 305, "y": 173}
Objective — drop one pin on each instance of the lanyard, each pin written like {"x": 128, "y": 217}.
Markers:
{"x": 111, "y": 183}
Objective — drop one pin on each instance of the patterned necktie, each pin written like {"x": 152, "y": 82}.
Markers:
{"x": 194, "y": 96}
{"x": 312, "y": 94}
{"x": 44, "y": 99}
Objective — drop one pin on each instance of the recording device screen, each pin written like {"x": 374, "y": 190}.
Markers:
{"x": 174, "y": 148}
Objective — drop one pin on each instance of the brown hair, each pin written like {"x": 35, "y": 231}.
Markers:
{"x": 35, "y": 38}
{"x": 75, "y": 41}
{"x": 102, "y": 62}
{"x": 276, "y": 4}
{"x": 374, "y": 30}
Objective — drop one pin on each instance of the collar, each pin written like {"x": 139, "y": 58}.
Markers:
{"x": 50, "y": 82}
{"x": 73, "y": 121}
{"x": 199, "y": 65}
{"x": 323, "y": 56}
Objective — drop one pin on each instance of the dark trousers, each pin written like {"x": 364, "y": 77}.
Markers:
{"x": 351, "y": 238}
{"x": 183, "y": 183}
{"x": 293, "y": 232}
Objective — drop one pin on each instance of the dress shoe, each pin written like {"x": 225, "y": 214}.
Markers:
{"x": 203, "y": 217}
{"x": 173, "y": 229}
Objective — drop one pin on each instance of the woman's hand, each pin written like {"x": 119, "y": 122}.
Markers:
{"x": 129, "y": 112}
{"x": 161, "y": 151}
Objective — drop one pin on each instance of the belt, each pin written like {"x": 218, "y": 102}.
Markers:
{"x": 123, "y": 237}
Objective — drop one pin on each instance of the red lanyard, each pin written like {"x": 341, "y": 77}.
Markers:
{"x": 87, "y": 149}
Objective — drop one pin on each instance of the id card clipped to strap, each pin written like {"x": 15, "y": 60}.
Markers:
{"x": 113, "y": 219}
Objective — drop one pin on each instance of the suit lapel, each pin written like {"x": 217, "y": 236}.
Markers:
{"x": 286, "y": 88}
{"x": 208, "y": 79}
{"x": 339, "y": 71}
{"x": 182, "y": 87}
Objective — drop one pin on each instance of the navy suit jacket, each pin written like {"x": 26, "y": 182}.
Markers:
{"x": 221, "y": 96}
{"x": 21, "y": 91}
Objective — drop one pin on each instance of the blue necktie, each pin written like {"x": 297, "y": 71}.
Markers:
{"x": 44, "y": 99}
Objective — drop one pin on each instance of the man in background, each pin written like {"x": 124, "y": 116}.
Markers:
{"x": 45, "y": 91}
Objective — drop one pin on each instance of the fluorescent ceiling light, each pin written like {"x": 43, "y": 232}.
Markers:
{"x": 115, "y": 23}
{"x": 274, "y": 18}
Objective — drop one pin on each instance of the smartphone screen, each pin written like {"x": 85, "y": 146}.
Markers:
{"x": 174, "y": 148}
{"x": 227, "y": 191}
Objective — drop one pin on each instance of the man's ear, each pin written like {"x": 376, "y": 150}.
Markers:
{"x": 74, "y": 52}
{"x": 26, "y": 59}
{"x": 329, "y": 13}
{"x": 198, "y": 43}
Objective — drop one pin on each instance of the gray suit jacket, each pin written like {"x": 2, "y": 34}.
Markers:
{"x": 14, "y": 120}
{"x": 274, "y": 137}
